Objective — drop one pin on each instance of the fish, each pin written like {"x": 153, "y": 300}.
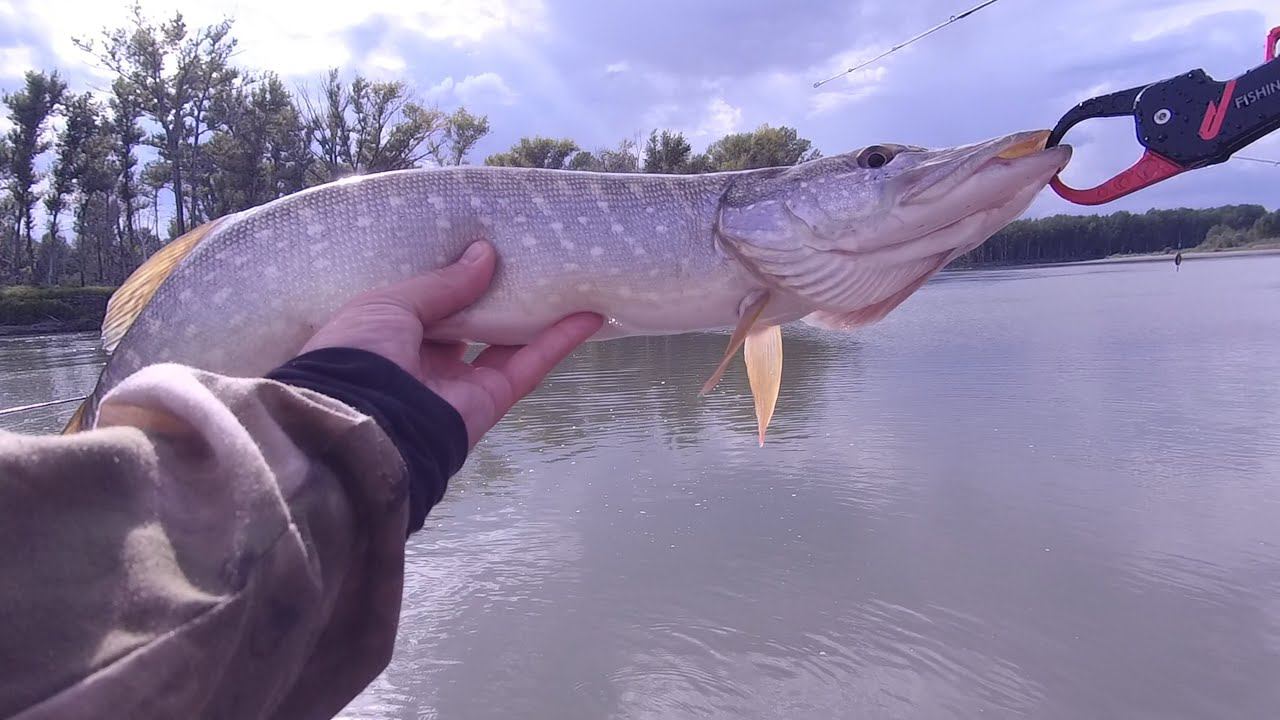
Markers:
{"x": 837, "y": 242}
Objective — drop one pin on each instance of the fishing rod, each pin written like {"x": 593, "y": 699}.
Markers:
{"x": 904, "y": 43}
{"x": 37, "y": 406}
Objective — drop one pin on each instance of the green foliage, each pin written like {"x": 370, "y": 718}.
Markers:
{"x": 462, "y": 130}
{"x": 1064, "y": 238}
{"x": 765, "y": 146}
{"x": 536, "y": 152}
{"x": 26, "y": 305}
{"x": 29, "y": 110}
{"x": 1266, "y": 227}
{"x": 369, "y": 127}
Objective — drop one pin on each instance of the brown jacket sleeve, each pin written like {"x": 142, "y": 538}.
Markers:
{"x": 216, "y": 547}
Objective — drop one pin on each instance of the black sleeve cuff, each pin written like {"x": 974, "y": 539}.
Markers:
{"x": 427, "y": 430}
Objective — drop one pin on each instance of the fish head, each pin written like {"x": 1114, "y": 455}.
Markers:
{"x": 850, "y": 230}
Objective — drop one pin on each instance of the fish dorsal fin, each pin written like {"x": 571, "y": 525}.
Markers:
{"x": 131, "y": 297}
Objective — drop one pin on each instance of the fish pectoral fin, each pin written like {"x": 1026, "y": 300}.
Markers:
{"x": 763, "y": 353}
{"x": 746, "y": 319}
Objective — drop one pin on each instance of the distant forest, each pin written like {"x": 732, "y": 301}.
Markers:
{"x": 93, "y": 183}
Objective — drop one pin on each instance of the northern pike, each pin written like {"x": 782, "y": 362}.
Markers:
{"x": 837, "y": 242}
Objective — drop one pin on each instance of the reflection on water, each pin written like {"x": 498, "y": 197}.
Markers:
{"x": 1043, "y": 492}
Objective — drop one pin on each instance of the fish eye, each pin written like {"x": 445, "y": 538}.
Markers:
{"x": 875, "y": 156}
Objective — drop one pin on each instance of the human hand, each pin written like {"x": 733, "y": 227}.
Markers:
{"x": 390, "y": 322}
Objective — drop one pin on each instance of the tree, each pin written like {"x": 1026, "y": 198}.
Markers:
{"x": 369, "y": 127}
{"x": 666, "y": 153}
{"x": 623, "y": 159}
{"x": 536, "y": 152}
{"x": 125, "y": 112}
{"x": 258, "y": 151}
{"x": 462, "y": 131}
{"x": 1266, "y": 227}
{"x": 765, "y": 146}
{"x": 29, "y": 110}
{"x": 170, "y": 74}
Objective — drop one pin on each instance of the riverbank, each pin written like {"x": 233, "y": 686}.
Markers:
{"x": 26, "y": 310}
{"x": 1257, "y": 249}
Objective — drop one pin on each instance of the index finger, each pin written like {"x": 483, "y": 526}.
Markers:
{"x": 526, "y": 366}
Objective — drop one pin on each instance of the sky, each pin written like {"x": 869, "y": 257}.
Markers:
{"x": 600, "y": 71}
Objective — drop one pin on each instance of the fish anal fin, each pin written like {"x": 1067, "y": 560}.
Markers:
{"x": 763, "y": 353}
{"x": 133, "y": 295}
{"x": 746, "y": 319}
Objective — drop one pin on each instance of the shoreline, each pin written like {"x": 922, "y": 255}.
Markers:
{"x": 1187, "y": 255}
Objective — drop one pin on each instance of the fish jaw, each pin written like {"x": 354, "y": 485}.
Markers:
{"x": 848, "y": 238}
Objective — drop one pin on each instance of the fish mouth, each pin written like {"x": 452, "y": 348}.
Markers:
{"x": 1020, "y": 159}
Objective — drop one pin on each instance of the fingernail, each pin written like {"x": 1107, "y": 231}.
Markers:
{"x": 474, "y": 252}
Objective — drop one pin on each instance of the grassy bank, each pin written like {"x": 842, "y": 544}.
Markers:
{"x": 56, "y": 309}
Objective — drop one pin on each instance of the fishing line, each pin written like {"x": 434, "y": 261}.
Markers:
{"x": 899, "y": 46}
{"x": 1258, "y": 160}
{"x": 37, "y": 406}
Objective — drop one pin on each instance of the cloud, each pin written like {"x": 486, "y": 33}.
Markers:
{"x": 15, "y": 61}
{"x": 290, "y": 37}
{"x": 617, "y": 68}
{"x": 721, "y": 119}
{"x": 485, "y": 89}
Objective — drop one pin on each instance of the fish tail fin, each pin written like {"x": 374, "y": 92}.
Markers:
{"x": 78, "y": 420}
{"x": 135, "y": 292}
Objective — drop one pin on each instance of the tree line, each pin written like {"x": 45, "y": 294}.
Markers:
{"x": 182, "y": 136}
{"x": 1065, "y": 238}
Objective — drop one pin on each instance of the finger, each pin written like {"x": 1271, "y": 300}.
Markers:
{"x": 526, "y": 366}
{"x": 451, "y": 349}
{"x": 495, "y": 356}
{"x": 440, "y": 293}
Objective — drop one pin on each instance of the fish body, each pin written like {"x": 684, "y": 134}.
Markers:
{"x": 837, "y": 241}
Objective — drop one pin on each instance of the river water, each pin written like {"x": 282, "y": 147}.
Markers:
{"x": 1039, "y": 492}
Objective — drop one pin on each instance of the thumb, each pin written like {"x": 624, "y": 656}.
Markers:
{"x": 440, "y": 293}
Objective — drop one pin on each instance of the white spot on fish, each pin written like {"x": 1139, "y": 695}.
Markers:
{"x": 315, "y": 229}
{"x": 660, "y": 228}
{"x": 397, "y": 201}
{"x": 572, "y": 267}
{"x": 566, "y": 244}
{"x": 184, "y": 296}
{"x": 597, "y": 251}
{"x": 434, "y": 201}
{"x": 614, "y": 271}
{"x": 529, "y": 240}
{"x": 443, "y": 223}
{"x": 475, "y": 202}
{"x": 582, "y": 219}
{"x": 616, "y": 228}
{"x": 638, "y": 250}
{"x": 603, "y": 205}
{"x": 364, "y": 221}
{"x": 486, "y": 221}
{"x": 521, "y": 218}
{"x": 406, "y": 268}
{"x": 557, "y": 226}
{"x": 221, "y": 296}
{"x": 655, "y": 272}
{"x": 648, "y": 209}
